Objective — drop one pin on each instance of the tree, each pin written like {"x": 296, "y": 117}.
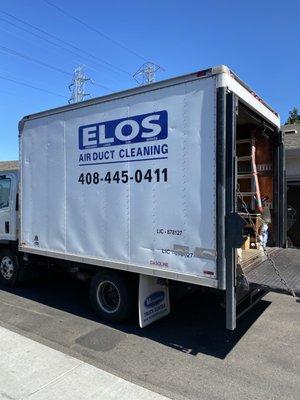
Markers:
{"x": 294, "y": 117}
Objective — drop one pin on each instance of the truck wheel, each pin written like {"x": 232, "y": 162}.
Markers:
{"x": 9, "y": 268}
{"x": 111, "y": 296}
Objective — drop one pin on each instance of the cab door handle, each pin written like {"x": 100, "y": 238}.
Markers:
{"x": 6, "y": 226}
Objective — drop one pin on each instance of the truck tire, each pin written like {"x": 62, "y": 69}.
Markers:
{"x": 112, "y": 296}
{"x": 9, "y": 268}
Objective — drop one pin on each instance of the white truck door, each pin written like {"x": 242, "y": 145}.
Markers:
{"x": 8, "y": 218}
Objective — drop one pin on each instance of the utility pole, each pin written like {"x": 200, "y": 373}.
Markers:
{"x": 77, "y": 86}
{"x": 146, "y": 73}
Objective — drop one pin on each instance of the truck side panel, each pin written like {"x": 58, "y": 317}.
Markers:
{"x": 130, "y": 181}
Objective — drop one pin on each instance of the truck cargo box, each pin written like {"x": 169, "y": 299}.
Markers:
{"x": 120, "y": 182}
{"x": 129, "y": 180}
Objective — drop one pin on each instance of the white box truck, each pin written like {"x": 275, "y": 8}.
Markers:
{"x": 148, "y": 187}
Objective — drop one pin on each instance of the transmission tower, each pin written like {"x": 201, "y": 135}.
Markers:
{"x": 77, "y": 86}
{"x": 146, "y": 73}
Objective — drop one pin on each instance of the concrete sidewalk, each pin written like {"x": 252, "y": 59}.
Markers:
{"x": 30, "y": 370}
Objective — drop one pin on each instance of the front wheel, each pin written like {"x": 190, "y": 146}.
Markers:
{"x": 112, "y": 296}
{"x": 9, "y": 268}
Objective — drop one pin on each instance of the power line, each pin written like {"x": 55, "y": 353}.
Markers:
{"x": 80, "y": 21}
{"x": 48, "y": 41}
{"x": 35, "y": 60}
{"x": 51, "y": 42}
{"x": 103, "y": 87}
{"x": 107, "y": 64}
{"x": 9, "y": 74}
{"x": 32, "y": 59}
{"x": 40, "y": 37}
{"x": 31, "y": 86}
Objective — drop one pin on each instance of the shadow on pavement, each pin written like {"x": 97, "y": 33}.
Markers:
{"x": 195, "y": 325}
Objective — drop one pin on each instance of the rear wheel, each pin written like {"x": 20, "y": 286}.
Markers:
{"x": 112, "y": 296}
{"x": 9, "y": 268}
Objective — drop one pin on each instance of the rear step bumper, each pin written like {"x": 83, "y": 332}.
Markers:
{"x": 263, "y": 275}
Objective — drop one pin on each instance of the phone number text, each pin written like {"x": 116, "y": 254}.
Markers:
{"x": 138, "y": 176}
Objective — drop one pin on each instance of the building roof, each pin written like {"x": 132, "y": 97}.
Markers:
{"x": 291, "y": 136}
{"x": 9, "y": 165}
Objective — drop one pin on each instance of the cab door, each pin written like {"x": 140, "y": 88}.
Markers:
{"x": 8, "y": 212}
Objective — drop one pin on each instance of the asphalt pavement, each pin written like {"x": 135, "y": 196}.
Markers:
{"x": 187, "y": 355}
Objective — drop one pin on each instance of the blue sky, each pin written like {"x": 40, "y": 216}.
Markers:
{"x": 259, "y": 40}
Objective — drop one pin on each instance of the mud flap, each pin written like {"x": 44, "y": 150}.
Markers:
{"x": 154, "y": 300}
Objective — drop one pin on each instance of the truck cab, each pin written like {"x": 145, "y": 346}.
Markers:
{"x": 8, "y": 205}
{"x": 9, "y": 221}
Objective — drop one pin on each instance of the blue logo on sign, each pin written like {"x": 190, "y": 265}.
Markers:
{"x": 136, "y": 129}
{"x": 154, "y": 299}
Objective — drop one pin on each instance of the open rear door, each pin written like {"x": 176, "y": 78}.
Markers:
{"x": 281, "y": 279}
